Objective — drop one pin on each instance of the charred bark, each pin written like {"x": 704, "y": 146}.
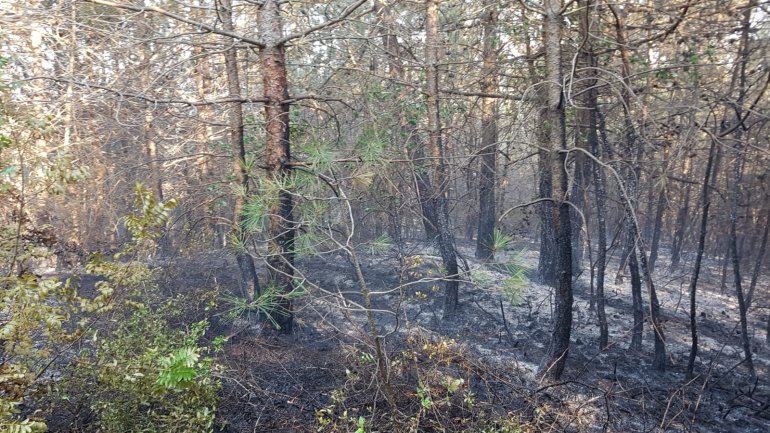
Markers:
{"x": 660, "y": 209}
{"x": 555, "y": 129}
{"x": 706, "y": 204}
{"x": 440, "y": 169}
{"x": 736, "y": 190}
{"x": 758, "y": 260}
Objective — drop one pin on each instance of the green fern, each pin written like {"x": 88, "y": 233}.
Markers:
{"x": 179, "y": 368}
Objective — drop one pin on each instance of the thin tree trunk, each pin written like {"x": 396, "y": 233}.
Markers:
{"x": 248, "y": 274}
{"x": 155, "y": 177}
{"x": 725, "y": 262}
{"x": 421, "y": 167}
{"x": 737, "y": 192}
{"x": 440, "y": 169}
{"x": 281, "y": 225}
{"x": 758, "y": 262}
{"x": 487, "y": 212}
{"x": 555, "y": 127}
{"x": 589, "y": 104}
{"x": 682, "y": 219}
{"x": 706, "y": 203}
{"x": 638, "y": 248}
{"x": 660, "y": 209}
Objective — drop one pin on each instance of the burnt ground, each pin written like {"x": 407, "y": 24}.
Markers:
{"x": 323, "y": 373}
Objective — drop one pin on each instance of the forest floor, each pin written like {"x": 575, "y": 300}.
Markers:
{"x": 323, "y": 374}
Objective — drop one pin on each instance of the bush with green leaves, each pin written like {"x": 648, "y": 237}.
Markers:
{"x": 36, "y": 314}
{"x": 143, "y": 373}
{"x": 149, "y": 377}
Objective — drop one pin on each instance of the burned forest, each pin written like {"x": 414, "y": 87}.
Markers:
{"x": 361, "y": 216}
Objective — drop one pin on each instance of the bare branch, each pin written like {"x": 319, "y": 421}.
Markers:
{"x": 180, "y": 18}
{"x": 346, "y": 13}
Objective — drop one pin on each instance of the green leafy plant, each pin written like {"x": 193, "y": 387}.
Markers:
{"x": 149, "y": 377}
{"x": 423, "y": 394}
{"x": 361, "y": 425}
{"x": 142, "y": 373}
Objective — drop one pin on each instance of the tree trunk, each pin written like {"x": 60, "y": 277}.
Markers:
{"x": 425, "y": 193}
{"x": 638, "y": 250}
{"x": 660, "y": 209}
{"x": 555, "y": 128}
{"x": 248, "y": 274}
{"x": 487, "y": 212}
{"x": 420, "y": 168}
{"x": 682, "y": 219}
{"x": 281, "y": 225}
{"x": 705, "y": 203}
{"x": 438, "y": 154}
{"x": 758, "y": 262}
{"x": 589, "y": 103}
{"x": 737, "y": 192}
{"x": 154, "y": 174}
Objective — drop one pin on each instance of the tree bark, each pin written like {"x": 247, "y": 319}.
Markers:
{"x": 588, "y": 115}
{"x": 705, "y": 203}
{"x": 281, "y": 224}
{"x": 555, "y": 128}
{"x": 421, "y": 168}
{"x": 737, "y": 192}
{"x": 682, "y": 219}
{"x": 440, "y": 169}
{"x": 636, "y": 241}
{"x": 660, "y": 209}
{"x": 248, "y": 274}
{"x": 759, "y": 259}
{"x": 487, "y": 212}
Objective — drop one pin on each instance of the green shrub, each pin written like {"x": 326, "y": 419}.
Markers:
{"x": 149, "y": 377}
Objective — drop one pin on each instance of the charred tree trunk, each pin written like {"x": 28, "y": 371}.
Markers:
{"x": 426, "y": 194}
{"x": 589, "y": 111}
{"x": 547, "y": 261}
{"x": 440, "y": 169}
{"x": 248, "y": 274}
{"x": 281, "y": 225}
{"x": 705, "y": 203}
{"x": 638, "y": 250}
{"x": 555, "y": 128}
{"x": 736, "y": 190}
{"x": 682, "y": 220}
{"x": 660, "y": 209}
{"x": 488, "y": 154}
{"x": 758, "y": 262}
